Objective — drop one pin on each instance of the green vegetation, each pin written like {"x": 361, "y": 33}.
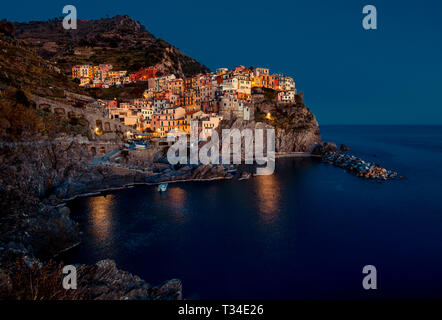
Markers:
{"x": 19, "y": 120}
{"x": 21, "y": 68}
{"x": 22, "y": 73}
{"x": 132, "y": 91}
{"x": 121, "y": 59}
{"x": 132, "y": 59}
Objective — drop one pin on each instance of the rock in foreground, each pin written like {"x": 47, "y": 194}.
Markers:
{"x": 29, "y": 279}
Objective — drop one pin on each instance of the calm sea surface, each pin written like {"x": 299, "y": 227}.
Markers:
{"x": 305, "y": 232}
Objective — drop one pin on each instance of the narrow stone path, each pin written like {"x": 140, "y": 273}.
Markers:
{"x": 104, "y": 158}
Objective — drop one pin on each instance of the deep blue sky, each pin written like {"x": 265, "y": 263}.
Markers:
{"x": 349, "y": 76}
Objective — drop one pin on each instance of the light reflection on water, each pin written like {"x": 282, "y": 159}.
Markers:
{"x": 268, "y": 198}
{"x": 102, "y": 218}
{"x": 176, "y": 198}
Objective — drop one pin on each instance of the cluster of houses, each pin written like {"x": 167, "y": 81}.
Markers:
{"x": 103, "y": 75}
{"x": 169, "y": 104}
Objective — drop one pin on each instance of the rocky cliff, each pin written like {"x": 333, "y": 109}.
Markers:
{"x": 296, "y": 128}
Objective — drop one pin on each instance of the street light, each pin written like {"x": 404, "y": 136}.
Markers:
{"x": 98, "y": 131}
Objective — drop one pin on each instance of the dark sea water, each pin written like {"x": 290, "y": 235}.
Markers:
{"x": 305, "y": 232}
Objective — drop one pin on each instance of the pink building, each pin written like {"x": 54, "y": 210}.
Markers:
{"x": 166, "y": 120}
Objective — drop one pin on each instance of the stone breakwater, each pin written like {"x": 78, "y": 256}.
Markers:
{"x": 358, "y": 166}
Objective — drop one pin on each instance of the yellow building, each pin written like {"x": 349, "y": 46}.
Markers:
{"x": 192, "y": 97}
{"x": 256, "y": 81}
{"x": 265, "y": 81}
{"x": 83, "y": 71}
{"x": 182, "y": 125}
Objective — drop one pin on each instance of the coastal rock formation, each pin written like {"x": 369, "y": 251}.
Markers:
{"x": 297, "y": 140}
{"x": 102, "y": 281}
{"x": 296, "y": 128}
{"x": 43, "y": 232}
{"x": 107, "y": 282}
{"x": 38, "y": 168}
{"x": 208, "y": 171}
{"x": 325, "y": 148}
{"x": 358, "y": 166}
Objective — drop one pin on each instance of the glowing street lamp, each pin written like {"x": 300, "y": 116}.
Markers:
{"x": 98, "y": 131}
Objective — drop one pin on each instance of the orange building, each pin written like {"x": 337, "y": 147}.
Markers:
{"x": 244, "y": 96}
{"x": 265, "y": 81}
{"x": 82, "y": 71}
{"x": 193, "y": 107}
{"x": 176, "y": 86}
{"x": 270, "y": 82}
{"x": 192, "y": 97}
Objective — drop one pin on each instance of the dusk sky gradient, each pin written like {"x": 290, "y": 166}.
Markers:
{"x": 392, "y": 75}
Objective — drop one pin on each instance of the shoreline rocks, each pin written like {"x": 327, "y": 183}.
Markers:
{"x": 100, "y": 281}
{"x": 42, "y": 233}
{"x": 107, "y": 282}
{"x": 325, "y": 147}
{"x": 358, "y": 166}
